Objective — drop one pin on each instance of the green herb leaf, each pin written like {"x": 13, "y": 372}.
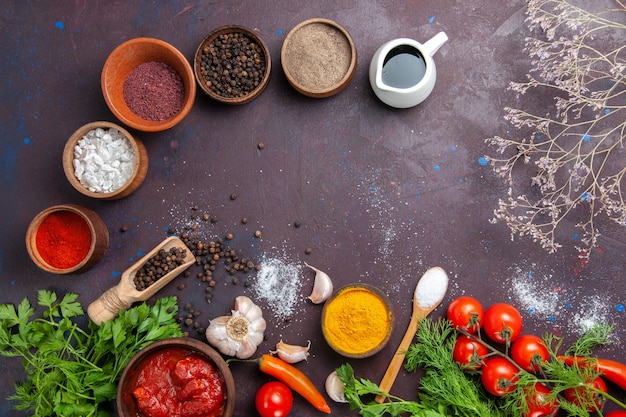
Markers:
{"x": 70, "y": 371}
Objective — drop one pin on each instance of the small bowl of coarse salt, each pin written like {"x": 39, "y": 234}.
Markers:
{"x": 148, "y": 84}
{"x": 104, "y": 161}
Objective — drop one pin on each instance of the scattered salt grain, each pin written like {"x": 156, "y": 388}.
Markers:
{"x": 278, "y": 283}
{"x": 104, "y": 160}
{"x": 431, "y": 287}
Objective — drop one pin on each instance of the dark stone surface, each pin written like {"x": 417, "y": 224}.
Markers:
{"x": 382, "y": 194}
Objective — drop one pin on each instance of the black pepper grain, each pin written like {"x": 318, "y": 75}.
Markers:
{"x": 232, "y": 65}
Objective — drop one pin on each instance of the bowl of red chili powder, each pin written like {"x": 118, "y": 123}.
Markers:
{"x": 179, "y": 376}
{"x": 67, "y": 239}
{"x": 148, "y": 84}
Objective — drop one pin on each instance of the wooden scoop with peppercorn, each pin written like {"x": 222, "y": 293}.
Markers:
{"x": 142, "y": 280}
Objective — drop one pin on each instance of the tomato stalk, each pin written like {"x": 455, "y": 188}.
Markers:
{"x": 293, "y": 378}
{"x": 491, "y": 349}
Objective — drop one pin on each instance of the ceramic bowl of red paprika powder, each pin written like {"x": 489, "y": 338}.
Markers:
{"x": 67, "y": 239}
{"x": 232, "y": 65}
{"x": 179, "y": 376}
{"x": 103, "y": 160}
{"x": 148, "y": 84}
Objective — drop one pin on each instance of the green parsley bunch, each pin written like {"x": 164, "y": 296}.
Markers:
{"x": 71, "y": 371}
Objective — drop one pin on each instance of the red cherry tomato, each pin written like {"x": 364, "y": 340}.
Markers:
{"x": 529, "y": 351}
{"x": 498, "y": 376}
{"x": 537, "y": 402}
{"x": 584, "y": 397}
{"x": 468, "y": 353}
{"x": 274, "y": 399}
{"x": 467, "y": 313}
{"x": 616, "y": 413}
{"x": 503, "y": 323}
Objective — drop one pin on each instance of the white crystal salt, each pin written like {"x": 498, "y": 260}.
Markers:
{"x": 431, "y": 287}
{"x": 104, "y": 160}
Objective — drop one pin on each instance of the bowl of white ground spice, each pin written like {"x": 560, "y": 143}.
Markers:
{"x": 103, "y": 160}
{"x": 319, "y": 58}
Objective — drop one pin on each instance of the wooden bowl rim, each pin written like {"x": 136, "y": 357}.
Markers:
{"x": 31, "y": 235}
{"x": 188, "y": 343}
{"x": 383, "y": 297}
{"x": 230, "y": 29}
{"x": 341, "y": 84}
{"x": 137, "y": 122}
{"x": 68, "y": 158}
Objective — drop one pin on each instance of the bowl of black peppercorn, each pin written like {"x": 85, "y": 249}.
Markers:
{"x": 232, "y": 65}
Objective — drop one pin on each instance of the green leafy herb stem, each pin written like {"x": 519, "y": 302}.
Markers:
{"x": 71, "y": 371}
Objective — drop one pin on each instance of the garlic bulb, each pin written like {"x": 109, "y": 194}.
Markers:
{"x": 334, "y": 388}
{"x": 240, "y": 333}
{"x": 291, "y": 353}
{"x": 322, "y": 287}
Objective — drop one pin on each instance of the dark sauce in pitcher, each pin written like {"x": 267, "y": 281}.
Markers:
{"x": 404, "y": 67}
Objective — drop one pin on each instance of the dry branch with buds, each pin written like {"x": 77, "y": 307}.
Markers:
{"x": 574, "y": 154}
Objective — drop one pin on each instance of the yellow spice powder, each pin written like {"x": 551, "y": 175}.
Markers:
{"x": 356, "y": 321}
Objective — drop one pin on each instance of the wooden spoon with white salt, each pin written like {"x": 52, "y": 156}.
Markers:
{"x": 429, "y": 292}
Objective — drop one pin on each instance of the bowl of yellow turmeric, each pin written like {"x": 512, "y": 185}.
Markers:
{"x": 357, "y": 321}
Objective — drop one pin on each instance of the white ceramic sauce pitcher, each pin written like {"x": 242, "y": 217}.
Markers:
{"x": 402, "y": 71}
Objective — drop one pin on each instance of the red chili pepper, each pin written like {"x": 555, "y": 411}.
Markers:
{"x": 295, "y": 379}
{"x": 612, "y": 370}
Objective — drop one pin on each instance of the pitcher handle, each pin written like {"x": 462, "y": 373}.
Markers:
{"x": 431, "y": 46}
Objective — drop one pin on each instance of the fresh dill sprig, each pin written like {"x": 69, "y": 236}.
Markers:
{"x": 447, "y": 390}
{"x": 444, "y": 382}
{"x": 597, "y": 335}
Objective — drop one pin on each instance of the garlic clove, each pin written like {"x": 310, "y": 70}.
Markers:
{"x": 322, "y": 287}
{"x": 217, "y": 336}
{"x": 246, "y": 349}
{"x": 292, "y": 353}
{"x": 244, "y": 305}
{"x": 334, "y": 388}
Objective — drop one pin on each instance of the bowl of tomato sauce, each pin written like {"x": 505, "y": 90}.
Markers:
{"x": 176, "y": 377}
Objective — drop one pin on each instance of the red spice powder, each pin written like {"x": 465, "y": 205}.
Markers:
{"x": 154, "y": 91}
{"x": 63, "y": 239}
